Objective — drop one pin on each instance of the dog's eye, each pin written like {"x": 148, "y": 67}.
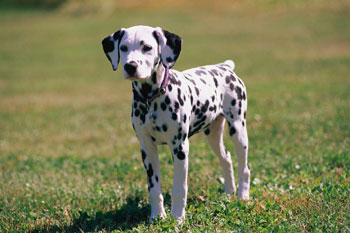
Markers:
{"x": 124, "y": 48}
{"x": 147, "y": 48}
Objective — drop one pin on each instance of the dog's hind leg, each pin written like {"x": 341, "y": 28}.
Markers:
{"x": 215, "y": 139}
{"x": 239, "y": 136}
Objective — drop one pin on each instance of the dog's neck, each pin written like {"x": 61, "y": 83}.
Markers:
{"x": 148, "y": 88}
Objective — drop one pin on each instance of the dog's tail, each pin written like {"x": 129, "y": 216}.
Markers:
{"x": 230, "y": 63}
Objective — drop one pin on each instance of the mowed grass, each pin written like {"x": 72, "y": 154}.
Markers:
{"x": 70, "y": 161}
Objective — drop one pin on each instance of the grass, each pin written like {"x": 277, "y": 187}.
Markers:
{"x": 69, "y": 159}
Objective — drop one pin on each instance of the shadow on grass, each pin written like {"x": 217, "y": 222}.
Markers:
{"x": 125, "y": 218}
{"x": 130, "y": 215}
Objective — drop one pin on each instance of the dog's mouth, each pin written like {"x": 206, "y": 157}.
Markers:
{"x": 135, "y": 78}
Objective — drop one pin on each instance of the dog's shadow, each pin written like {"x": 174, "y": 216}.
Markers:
{"x": 129, "y": 215}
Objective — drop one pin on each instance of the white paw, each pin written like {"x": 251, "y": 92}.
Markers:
{"x": 243, "y": 195}
{"x": 161, "y": 215}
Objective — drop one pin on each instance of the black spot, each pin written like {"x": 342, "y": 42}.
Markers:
{"x": 216, "y": 82}
{"x": 245, "y": 114}
{"x": 163, "y": 106}
{"x": 207, "y": 131}
{"x": 179, "y": 136}
{"x": 173, "y": 80}
{"x": 146, "y": 89}
{"x": 228, "y": 79}
{"x": 239, "y": 92}
{"x": 181, "y": 155}
{"x": 233, "y": 102}
{"x": 137, "y": 112}
{"x": 243, "y": 123}
{"x": 177, "y": 106}
{"x": 204, "y": 108}
{"x": 157, "y": 179}
{"x": 232, "y": 130}
{"x": 197, "y": 91}
{"x": 154, "y": 77}
{"x": 153, "y": 139}
{"x": 167, "y": 100}
{"x": 155, "y": 107}
{"x": 164, "y": 127}
{"x": 170, "y": 87}
{"x": 143, "y": 153}
{"x": 197, "y": 111}
{"x": 184, "y": 118}
{"x": 240, "y": 104}
{"x": 158, "y": 128}
{"x": 143, "y": 109}
{"x": 169, "y": 59}
{"x": 150, "y": 174}
{"x": 200, "y": 72}
{"x": 184, "y": 136}
{"x": 198, "y": 103}
{"x": 142, "y": 117}
{"x": 174, "y": 116}
{"x": 213, "y": 98}
{"x": 239, "y": 111}
{"x": 179, "y": 97}
{"x": 215, "y": 72}
{"x": 232, "y": 86}
{"x": 212, "y": 109}
{"x": 203, "y": 81}
{"x": 193, "y": 108}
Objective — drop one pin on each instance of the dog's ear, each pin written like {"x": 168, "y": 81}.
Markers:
{"x": 111, "y": 47}
{"x": 169, "y": 46}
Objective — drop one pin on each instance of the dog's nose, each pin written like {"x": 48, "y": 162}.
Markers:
{"x": 130, "y": 68}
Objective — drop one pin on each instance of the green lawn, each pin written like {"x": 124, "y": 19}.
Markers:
{"x": 70, "y": 161}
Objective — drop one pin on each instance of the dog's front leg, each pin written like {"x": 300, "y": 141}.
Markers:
{"x": 179, "y": 192}
{"x": 150, "y": 160}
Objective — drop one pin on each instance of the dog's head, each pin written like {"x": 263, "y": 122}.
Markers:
{"x": 141, "y": 49}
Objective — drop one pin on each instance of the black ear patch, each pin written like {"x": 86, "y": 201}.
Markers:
{"x": 118, "y": 35}
{"x": 174, "y": 42}
{"x": 108, "y": 44}
{"x": 109, "y": 47}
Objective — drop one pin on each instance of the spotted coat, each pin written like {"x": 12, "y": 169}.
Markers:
{"x": 194, "y": 100}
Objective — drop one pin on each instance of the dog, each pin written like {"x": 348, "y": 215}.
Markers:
{"x": 169, "y": 106}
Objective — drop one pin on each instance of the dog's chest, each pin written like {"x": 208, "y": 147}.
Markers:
{"x": 187, "y": 107}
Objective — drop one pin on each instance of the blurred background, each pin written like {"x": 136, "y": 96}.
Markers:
{"x": 65, "y": 129}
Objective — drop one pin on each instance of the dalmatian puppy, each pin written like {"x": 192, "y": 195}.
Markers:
{"x": 169, "y": 106}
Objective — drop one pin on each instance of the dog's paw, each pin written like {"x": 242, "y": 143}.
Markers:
{"x": 243, "y": 195}
{"x": 161, "y": 215}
